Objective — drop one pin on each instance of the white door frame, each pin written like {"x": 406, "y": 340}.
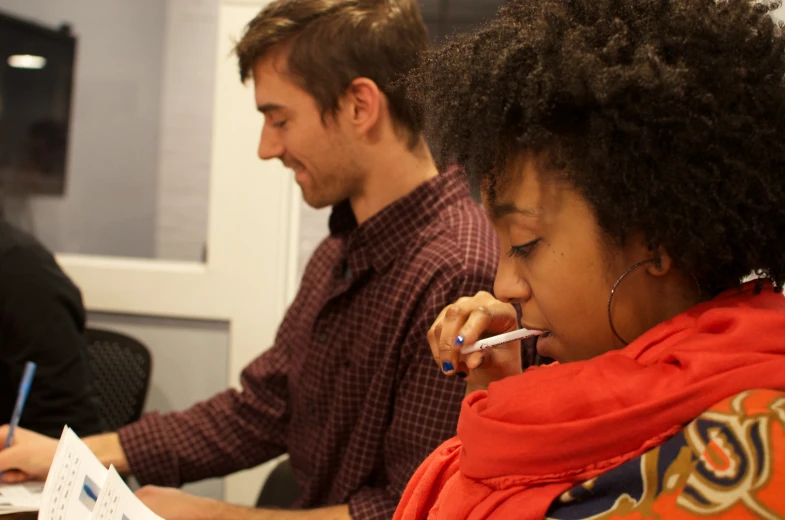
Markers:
{"x": 250, "y": 274}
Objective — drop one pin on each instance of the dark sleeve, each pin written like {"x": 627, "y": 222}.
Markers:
{"x": 232, "y": 431}
{"x": 427, "y": 403}
{"x": 43, "y": 320}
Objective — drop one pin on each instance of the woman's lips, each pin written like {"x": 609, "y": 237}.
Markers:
{"x": 542, "y": 344}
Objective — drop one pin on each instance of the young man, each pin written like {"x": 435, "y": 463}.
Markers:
{"x": 349, "y": 389}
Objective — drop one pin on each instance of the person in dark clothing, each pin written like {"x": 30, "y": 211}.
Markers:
{"x": 42, "y": 320}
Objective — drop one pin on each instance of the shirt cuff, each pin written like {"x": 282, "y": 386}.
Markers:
{"x": 148, "y": 451}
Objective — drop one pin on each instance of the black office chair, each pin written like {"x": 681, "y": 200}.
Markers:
{"x": 121, "y": 368}
{"x": 281, "y": 488}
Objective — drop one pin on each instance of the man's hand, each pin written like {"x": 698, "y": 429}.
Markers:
{"x": 28, "y": 458}
{"x": 173, "y": 504}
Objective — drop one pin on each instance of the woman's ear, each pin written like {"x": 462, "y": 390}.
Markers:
{"x": 662, "y": 263}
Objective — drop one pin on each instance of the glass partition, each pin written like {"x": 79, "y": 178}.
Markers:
{"x": 140, "y": 129}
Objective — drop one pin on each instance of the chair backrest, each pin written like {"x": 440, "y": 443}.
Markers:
{"x": 121, "y": 368}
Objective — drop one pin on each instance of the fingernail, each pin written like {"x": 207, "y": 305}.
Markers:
{"x": 447, "y": 367}
{"x": 459, "y": 340}
{"x": 462, "y": 375}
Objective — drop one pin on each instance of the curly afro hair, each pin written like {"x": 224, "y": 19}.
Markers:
{"x": 667, "y": 115}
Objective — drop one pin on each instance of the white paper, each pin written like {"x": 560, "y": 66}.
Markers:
{"x": 74, "y": 481}
{"x": 79, "y": 487}
{"x": 18, "y": 498}
{"x": 117, "y": 502}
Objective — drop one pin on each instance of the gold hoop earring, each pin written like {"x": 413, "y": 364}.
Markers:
{"x": 698, "y": 285}
{"x": 623, "y": 275}
{"x": 613, "y": 291}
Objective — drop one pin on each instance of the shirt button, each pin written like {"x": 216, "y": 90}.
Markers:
{"x": 347, "y": 274}
{"x": 322, "y": 337}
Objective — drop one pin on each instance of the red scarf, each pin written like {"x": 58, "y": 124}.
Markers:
{"x": 532, "y": 437}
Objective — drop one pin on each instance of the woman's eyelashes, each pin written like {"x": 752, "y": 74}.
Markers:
{"x": 523, "y": 251}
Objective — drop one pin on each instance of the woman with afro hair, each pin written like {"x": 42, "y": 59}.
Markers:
{"x": 630, "y": 156}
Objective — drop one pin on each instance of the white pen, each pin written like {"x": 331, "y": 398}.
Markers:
{"x": 498, "y": 340}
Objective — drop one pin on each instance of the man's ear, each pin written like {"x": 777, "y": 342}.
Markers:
{"x": 363, "y": 101}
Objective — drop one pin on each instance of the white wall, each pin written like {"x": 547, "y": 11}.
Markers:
{"x": 313, "y": 229}
{"x": 110, "y": 206}
{"x": 186, "y": 129}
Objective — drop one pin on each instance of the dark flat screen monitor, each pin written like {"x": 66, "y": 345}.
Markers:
{"x": 36, "y": 77}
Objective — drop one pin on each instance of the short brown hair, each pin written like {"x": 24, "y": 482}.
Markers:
{"x": 333, "y": 42}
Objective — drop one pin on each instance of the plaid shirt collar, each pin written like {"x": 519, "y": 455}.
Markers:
{"x": 378, "y": 241}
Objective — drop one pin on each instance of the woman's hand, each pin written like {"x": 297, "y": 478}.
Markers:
{"x": 463, "y": 323}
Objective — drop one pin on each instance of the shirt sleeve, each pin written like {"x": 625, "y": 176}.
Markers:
{"x": 232, "y": 431}
{"x": 427, "y": 404}
{"x": 42, "y": 320}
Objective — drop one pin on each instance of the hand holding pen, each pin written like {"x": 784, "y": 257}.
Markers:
{"x": 21, "y": 398}
{"x": 466, "y": 322}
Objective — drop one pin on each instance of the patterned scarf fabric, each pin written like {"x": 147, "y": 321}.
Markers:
{"x": 530, "y": 439}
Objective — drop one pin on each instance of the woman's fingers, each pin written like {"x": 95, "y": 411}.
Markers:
{"x": 449, "y": 343}
{"x": 434, "y": 334}
{"x": 462, "y": 324}
{"x": 476, "y": 360}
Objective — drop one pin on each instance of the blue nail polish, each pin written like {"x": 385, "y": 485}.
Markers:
{"x": 447, "y": 366}
{"x": 459, "y": 340}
